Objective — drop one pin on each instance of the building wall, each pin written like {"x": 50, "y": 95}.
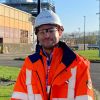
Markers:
{"x": 15, "y": 27}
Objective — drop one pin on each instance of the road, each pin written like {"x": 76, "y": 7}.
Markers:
{"x": 8, "y": 60}
{"x": 13, "y": 63}
{"x": 95, "y": 75}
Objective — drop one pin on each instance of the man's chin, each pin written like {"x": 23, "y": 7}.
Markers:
{"x": 48, "y": 47}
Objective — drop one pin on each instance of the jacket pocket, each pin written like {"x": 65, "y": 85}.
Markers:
{"x": 60, "y": 91}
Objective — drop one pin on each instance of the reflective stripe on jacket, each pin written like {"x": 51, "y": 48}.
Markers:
{"x": 69, "y": 77}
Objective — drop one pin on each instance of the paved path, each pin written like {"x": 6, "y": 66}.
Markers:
{"x": 11, "y": 56}
{"x": 95, "y": 75}
{"x": 8, "y": 59}
{"x": 13, "y": 63}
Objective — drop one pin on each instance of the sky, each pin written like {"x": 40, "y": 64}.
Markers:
{"x": 72, "y": 12}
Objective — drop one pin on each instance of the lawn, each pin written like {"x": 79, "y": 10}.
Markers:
{"x": 5, "y": 92}
{"x": 6, "y": 74}
{"x": 92, "y": 55}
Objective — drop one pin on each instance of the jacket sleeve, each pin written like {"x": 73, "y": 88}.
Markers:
{"x": 84, "y": 89}
{"x": 20, "y": 88}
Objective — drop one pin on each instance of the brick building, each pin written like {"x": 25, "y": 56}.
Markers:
{"x": 16, "y": 30}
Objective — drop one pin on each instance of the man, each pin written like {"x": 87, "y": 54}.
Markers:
{"x": 55, "y": 72}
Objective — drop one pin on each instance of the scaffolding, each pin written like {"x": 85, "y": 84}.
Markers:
{"x": 31, "y": 7}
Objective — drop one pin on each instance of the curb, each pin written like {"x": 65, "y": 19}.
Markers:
{"x": 95, "y": 61}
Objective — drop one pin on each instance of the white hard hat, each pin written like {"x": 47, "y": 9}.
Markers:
{"x": 47, "y": 17}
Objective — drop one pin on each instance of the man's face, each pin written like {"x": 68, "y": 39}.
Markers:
{"x": 48, "y": 36}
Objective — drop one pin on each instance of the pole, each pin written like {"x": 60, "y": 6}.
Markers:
{"x": 38, "y": 8}
{"x": 84, "y": 30}
{"x": 99, "y": 30}
{"x": 78, "y": 35}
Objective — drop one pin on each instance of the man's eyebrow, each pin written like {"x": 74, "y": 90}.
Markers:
{"x": 47, "y": 28}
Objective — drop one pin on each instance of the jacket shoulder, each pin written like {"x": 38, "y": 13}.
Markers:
{"x": 29, "y": 60}
{"x": 83, "y": 62}
{"x": 34, "y": 57}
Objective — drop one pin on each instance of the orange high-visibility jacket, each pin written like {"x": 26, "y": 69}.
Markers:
{"x": 69, "y": 77}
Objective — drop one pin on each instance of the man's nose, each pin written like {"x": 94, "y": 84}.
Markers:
{"x": 47, "y": 34}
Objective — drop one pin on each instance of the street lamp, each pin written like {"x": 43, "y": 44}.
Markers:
{"x": 38, "y": 8}
{"x": 99, "y": 29}
{"x": 84, "y": 30}
{"x": 78, "y": 35}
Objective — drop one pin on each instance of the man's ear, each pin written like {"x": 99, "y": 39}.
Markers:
{"x": 60, "y": 29}
{"x": 60, "y": 32}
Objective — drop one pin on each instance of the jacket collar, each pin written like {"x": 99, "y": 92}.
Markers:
{"x": 68, "y": 55}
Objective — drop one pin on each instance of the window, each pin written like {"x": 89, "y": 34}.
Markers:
{"x": 23, "y": 36}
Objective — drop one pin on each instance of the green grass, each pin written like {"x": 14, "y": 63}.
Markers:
{"x": 5, "y": 92}
{"x": 5, "y": 73}
{"x": 90, "y": 54}
{"x": 9, "y": 72}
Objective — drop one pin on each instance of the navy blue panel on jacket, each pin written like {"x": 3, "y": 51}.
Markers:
{"x": 34, "y": 57}
{"x": 68, "y": 55}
